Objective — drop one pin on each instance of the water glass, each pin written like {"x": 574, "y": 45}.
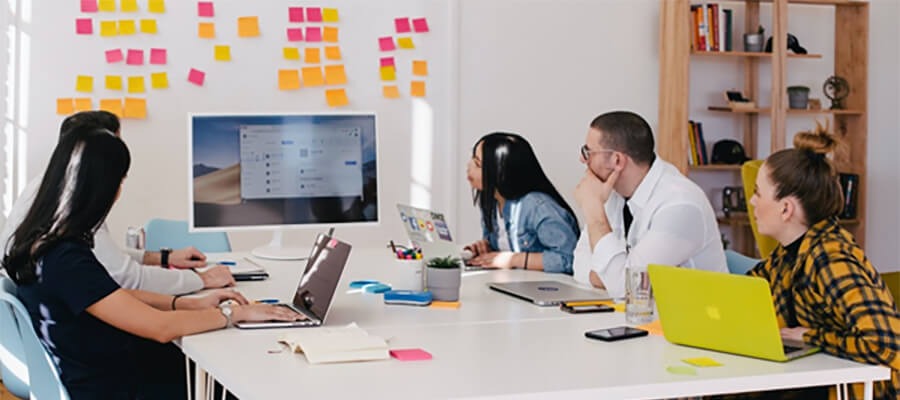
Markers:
{"x": 638, "y": 296}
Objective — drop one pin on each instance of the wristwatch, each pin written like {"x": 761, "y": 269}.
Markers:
{"x": 164, "y": 257}
{"x": 227, "y": 311}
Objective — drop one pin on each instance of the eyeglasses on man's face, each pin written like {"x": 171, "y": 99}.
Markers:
{"x": 586, "y": 152}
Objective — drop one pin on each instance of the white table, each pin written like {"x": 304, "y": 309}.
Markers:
{"x": 493, "y": 346}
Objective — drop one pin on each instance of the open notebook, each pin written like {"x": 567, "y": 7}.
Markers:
{"x": 333, "y": 345}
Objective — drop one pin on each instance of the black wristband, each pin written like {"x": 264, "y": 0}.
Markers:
{"x": 525, "y": 267}
{"x": 164, "y": 257}
{"x": 175, "y": 297}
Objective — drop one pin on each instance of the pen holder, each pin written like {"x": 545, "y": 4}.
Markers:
{"x": 409, "y": 275}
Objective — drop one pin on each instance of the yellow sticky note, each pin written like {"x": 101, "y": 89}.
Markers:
{"x": 405, "y": 43}
{"x": 330, "y": 34}
{"x": 417, "y": 89}
{"x": 291, "y": 53}
{"x": 206, "y": 30}
{"x": 84, "y": 84}
{"x": 159, "y": 80}
{"x": 445, "y": 304}
{"x": 157, "y": 6}
{"x": 248, "y": 26}
{"x": 135, "y": 108}
{"x": 312, "y": 76}
{"x": 312, "y": 55}
{"x": 335, "y": 75}
{"x": 330, "y": 15}
{"x": 223, "y": 53}
{"x": 107, "y": 5}
{"x": 114, "y": 82}
{"x": 127, "y": 27}
{"x": 288, "y": 79}
{"x": 109, "y": 28}
{"x": 83, "y": 104}
{"x": 391, "y": 92}
{"x": 702, "y": 362}
{"x": 129, "y": 5}
{"x": 388, "y": 73}
{"x": 112, "y": 105}
{"x": 420, "y": 68}
{"x": 65, "y": 106}
{"x": 136, "y": 84}
{"x": 333, "y": 53}
{"x": 336, "y": 97}
{"x": 148, "y": 25}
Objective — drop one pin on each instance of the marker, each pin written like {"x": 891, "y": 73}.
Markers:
{"x": 230, "y": 263}
{"x": 267, "y": 301}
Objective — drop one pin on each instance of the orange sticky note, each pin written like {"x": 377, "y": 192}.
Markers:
{"x": 335, "y": 75}
{"x": 312, "y": 76}
{"x": 405, "y": 43}
{"x": 84, "y": 84}
{"x": 148, "y": 26}
{"x": 288, "y": 79}
{"x": 112, "y": 105}
{"x": 136, "y": 84}
{"x": 417, "y": 89}
{"x": 109, "y": 28}
{"x": 420, "y": 68}
{"x": 114, "y": 82}
{"x": 391, "y": 92}
{"x": 330, "y": 15}
{"x": 157, "y": 6}
{"x": 388, "y": 73}
{"x": 223, "y": 53}
{"x": 336, "y": 97}
{"x": 330, "y": 34}
{"x": 83, "y": 104}
{"x": 248, "y": 26}
{"x": 206, "y": 30}
{"x": 129, "y": 5}
{"x": 159, "y": 80}
{"x": 655, "y": 328}
{"x": 291, "y": 53}
{"x": 127, "y": 27}
{"x": 445, "y": 304}
{"x": 135, "y": 108}
{"x": 107, "y": 5}
{"x": 65, "y": 106}
{"x": 333, "y": 53}
{"x": 313, "y": 55}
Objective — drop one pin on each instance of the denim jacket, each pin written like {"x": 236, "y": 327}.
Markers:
{"x": 536, "y": 223}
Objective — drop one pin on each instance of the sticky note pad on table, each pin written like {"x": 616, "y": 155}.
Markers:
{"x": 420, "y": 25}
{"x": 148, "y": 26}
{"x": 391, "y": 92}
{"x": 196, "y": 77}
{"x": 702, "y": 362}
{"x": 313, "y": 14}
{"x": 127, "y": 27}
{"x": 335, "y": 75}
{"x": 158, "y": 56}
{"x": 112, "y": 105}
{"x": 386, "y": 43}
{"x": 135, "y": 57}
{"x": 312, "y": 76}
{"x": 312, "y": 55}
{"x": 159, "y": 80}
{"x": 681, "y": 370}
{"x": 402, "y": 25}
{"x": 445, "y": 304}
{"x": 655, "y": 328}
{"x": 330, "y": 34}
{"x": 65, "y": 106}
{"x": 136, "y": 84}
{"x": 313, "y": 34}
{"x": 83, "y": 104}
{"x": 330, "y": 15}
{"x": 135, "y": 108}
{"x": 157, "y": 6}
{"x": 295, "y": 34}
{"x": 109, "y": 28}
{"x": 129, "y": 6}
{"x": 114, "y": 82}
{"x": 420, "y": 68}
{"x": 388, "y": 73}
{"x": 89, "y": 6}
{"x": 288, "y": 79}
{"x": 84, "y": 84}
{"x": 84, "y": 26}
{"x": 223, "y": 53}
{"x": 206, "y": 30}
{"x": 410, "y": 354}
{"x": 205, "y": 9}
{"x": 417, "y": 89}
{"x": 248, "y": 26}
{"x": 295, "y": 14}
{"x": 291, "y": 53}
{"x": 114, "y": 56}
{"x": 405, "y": 43}
{"x": 333, "y": 53}
{"x": 107, "y": 5}
{"x": 338, "y": 98}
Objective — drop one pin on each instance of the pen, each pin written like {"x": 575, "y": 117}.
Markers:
{"x": 267, "y": 301}
{"x": 229, "y": 263}
{"x": 393, "y": 248}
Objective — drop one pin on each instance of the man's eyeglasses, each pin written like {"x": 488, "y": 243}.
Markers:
{"x": 586, "y": 152}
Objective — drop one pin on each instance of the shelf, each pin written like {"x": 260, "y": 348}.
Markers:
{"x": 715, "y": 167}
{"x": 748, "y": 54}
{"x": 740, "y": 218}
{"x": 809, "y": 2}
{"x": 789, "y": 111}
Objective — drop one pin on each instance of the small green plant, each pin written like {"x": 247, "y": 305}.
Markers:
{"x": 761, "y": 30}
{"x": 448, "y": 262}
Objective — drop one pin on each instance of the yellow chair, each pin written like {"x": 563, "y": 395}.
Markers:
{"x": 749, "y": 170}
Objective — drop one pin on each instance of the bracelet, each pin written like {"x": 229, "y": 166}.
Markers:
{"x": 175, "y": 297}
{"x": 526, "y": 262}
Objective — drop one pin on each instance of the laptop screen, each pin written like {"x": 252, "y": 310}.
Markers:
{"x": 428, "y": 231}
{"x": 320, "y": 279}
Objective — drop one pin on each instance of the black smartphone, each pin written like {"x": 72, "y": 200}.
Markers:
{"x": 587, "y": 308}
{"x": 613, "y": 334}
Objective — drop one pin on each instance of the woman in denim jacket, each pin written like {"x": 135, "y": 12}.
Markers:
{"x": 525, "y": 222}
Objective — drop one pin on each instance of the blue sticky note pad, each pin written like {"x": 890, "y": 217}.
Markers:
{"x": 360, "y": 284}
{"x": 376, "y": 288}
{"x": 407, "y": 297}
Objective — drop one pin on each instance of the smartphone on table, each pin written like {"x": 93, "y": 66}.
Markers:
{"x": 617, "y": 333}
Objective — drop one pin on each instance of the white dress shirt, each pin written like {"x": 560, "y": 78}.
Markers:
{"x": 124, "y": 267}
{"x": 674, "y": 224}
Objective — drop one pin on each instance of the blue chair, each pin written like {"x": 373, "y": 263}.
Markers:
{"x": 174, "y": 235}
{"x": 739, "y": 263}
{"x": 43, "y": 378}
{"x": 12, "y": 355}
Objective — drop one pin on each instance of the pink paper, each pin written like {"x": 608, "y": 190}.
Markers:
{"x": 158, "y": 56}
{"x": 295, "y": 14}
{"x": 313, "y": 34}
{"x": 135, "y": 57}
{"x": 206, "y": 9}
{"x": 84, "y": 26}
{"x": 386, "y": 43}
{"x": 89, "y": 6}
{"x": 114, "y": 56}
{"x": 402, "y": 25}
{"x": 420, "y": 25}
{"x": 314, "y": 14}
{"x": 387, "y": 61}
{"x": 295, "y": 34}
{"x": 196, "y": 77}
{"x": 411, "y": 355}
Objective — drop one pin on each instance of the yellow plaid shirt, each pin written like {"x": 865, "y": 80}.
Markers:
{"x": 832, "y": 289}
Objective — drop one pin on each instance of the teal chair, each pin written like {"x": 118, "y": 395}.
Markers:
{"x": 739, "y": 263}
{"x": 174, "y": 235}
{"x": 43, "y": 379}
{"x": 12, "y": 360}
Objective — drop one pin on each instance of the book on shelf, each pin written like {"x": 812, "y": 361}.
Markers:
{"x": 850, "y": 187}
{"x": 712, "y": 28}
{"x": 698, "y": 154}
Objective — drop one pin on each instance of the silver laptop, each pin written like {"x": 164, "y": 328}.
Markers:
{"x": 548, "y": 293}
{"x": 317, "y": 285}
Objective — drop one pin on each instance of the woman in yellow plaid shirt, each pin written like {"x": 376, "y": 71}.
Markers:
{"x": 825, "y": 290}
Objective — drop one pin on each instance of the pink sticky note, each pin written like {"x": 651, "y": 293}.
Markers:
{"x": 205, "y": 9}
{"x": 313, "y": 34}
{"x": 196, "y": 77}
{"x": 158, "y": 56}
{"x": 135, "y": 57}
{"x": 386, "y": 44}
{"x": 114, "y": 56}
{"x": 402, "y": 25}
{"x": 295, "y": 14}
{"x": 89, "y": 6}
{"x": 314, "y": 14}
{"x": 387, "y": 61}
{"x": 84, "y": 26}
{"x": 411, "y": 355}
{"x": 420, "y": 25}
{"x": 295, "y": 34}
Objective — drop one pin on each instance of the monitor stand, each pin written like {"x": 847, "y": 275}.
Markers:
{"x": 276, "y": 251}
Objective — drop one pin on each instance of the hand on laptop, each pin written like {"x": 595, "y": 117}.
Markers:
{"x": 216, "y": 277}
{"x": 188, "y": 257}
{"x": 795, "y": 333}
{"x": 480, "y": 247}
{"x": 210, "y": 299}
{"x": 494, "y": 259}
{"x": 265, "y": 312}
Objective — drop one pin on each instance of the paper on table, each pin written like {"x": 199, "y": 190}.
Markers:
{"x": 655, "y": 328}
{"x": 327, "y": 345}
{"x": 702, "y": 362}
{"x": 681, "y": 370}
{"x": 410, "y": 354}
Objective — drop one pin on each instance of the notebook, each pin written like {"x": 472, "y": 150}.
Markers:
{"x": 334, "y": 345}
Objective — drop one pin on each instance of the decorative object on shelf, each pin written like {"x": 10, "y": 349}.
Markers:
{"x": 728, "y": 152}
{"x": 798, "y": 97}
{"x": 850, "y": 187}
{"x": 836, "y": 89}
{"x": 737, "y": 101}
{"x": 815, "y": 104}
{"x": 733, "y": 200}
{"x": 754, "y": 41}
{"x": 792, "y": 44}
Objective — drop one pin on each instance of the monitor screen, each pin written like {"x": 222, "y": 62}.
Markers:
{"x": 263, "y": 171}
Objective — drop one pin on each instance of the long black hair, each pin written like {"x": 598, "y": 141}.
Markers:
{"x": 78, "y": 190}
{"x": 510, "y": 167}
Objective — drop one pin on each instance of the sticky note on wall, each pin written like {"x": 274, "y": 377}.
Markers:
{"x": 223, "y": 53}
{"x": 330, "y": 34}
{"x": 65, "y": 106}
{"x": 89, "y": 6}
{"x": 336, "y": 97}
{"x": 391, "y": 92}
{"x": 83, "y": 104}
{"x": 417, "y": 89}
{"x": 312, "y": 55}
{"x": 206, "y": 30}
{"x": 313, "y": 34}
{"x": 291, "y": 53}
{"x": 157, "y": 6}
{"x": 313, "y": 14}
{"x": 148, "y": 26}
{"x": 84, "y": 84}
{"x": 335, "y": 75}
{"x": 420, "y": 25}
{"x": 109, "y": 28}
{"x": 205, "y": 9}
{"x": 248, "y": 26}
{"x": 288, "y": 79}
{"x": 386, "y": 43}
{"x": 402, "y": 25}
{"x": 127, "y": 27}
{"x": 136, "y": 84}
{"x": 114, "y": 56}
{"x": 114, "y": 82}
{"x": 159, "y": 80}
{"x": 387, "y": 61}
{"x": 333, "y": 53}
{"x": 295, "y": 14}
{"x": 135, "y": 57}
{"x": 84, "y": 26}
{"x": 112, "y": 105}
{"x": 135, "y": 108}
{"x": 107, "y": 5}
{"x": 129, "y": 6}
{"x": 312, "y": 76}
{"x": 196, "y": 77}
{"x": 388, "y": 73}
{"x": 295, "y": 34}
{"x": 330, "y": 15}
{"x": 420, "y": 68}
{"x": 158, "y": 56}
{"x": 405, "y": 43}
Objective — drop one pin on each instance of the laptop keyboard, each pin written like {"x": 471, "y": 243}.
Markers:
{"x": 790, "y": 349}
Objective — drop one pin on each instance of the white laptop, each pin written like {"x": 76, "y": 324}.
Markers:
{"x": 548, "y": 293}
{"x": 428, "y": 230}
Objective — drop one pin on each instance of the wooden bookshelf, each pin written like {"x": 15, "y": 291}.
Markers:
{"x": 789, "y": 111}
{"x": 715, "y": 167}
{"x": 748, "y": 54}
{"x": 849, "y": 3}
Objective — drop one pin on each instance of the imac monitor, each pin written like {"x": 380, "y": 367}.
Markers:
{"x": 276, "y": 172}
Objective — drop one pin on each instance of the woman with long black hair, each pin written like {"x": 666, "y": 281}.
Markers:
{"x": 525, "y": 222}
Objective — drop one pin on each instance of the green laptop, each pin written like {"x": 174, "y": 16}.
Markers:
{"x": 722, "y": 312}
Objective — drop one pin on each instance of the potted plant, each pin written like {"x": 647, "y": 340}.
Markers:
{"x": 798, "y": 97}
{"x": 753, "y": 42}
{"x": 442, "y": 278}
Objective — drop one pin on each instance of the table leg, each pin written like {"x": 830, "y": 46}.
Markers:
{"x": 201, "y": 384}
{"x": 187, "y": 371}
{"x": 869, "y": 389}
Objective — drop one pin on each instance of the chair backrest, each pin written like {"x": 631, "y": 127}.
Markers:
{"x": 749, "y": 170}
{"x": 43, "y": 378}
{"x": 12, "y": 352}
{"x": 174, "y": 234}
{"x": 738, "y": 263}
